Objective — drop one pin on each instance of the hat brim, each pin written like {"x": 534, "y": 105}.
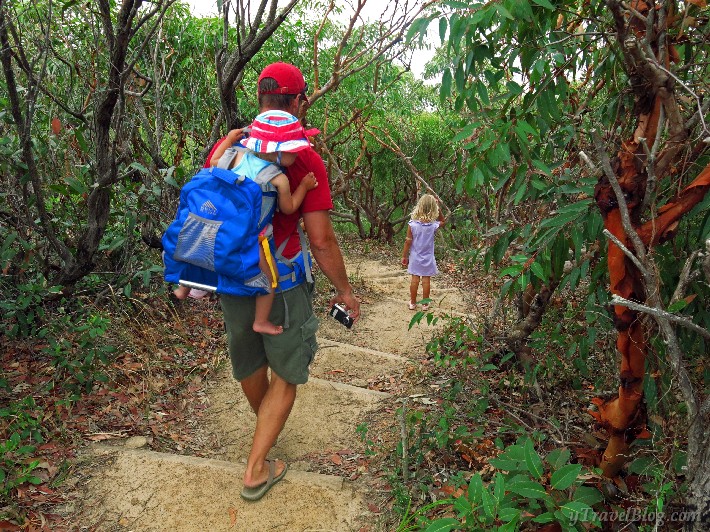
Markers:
{"x": 262, "y": 146}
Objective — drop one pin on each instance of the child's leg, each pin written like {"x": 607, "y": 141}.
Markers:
{"x": 413, "y": 288}
{"x": 426, "y": 286}
{"x": 263, "y": 304}
{"x": 181, "y": 291}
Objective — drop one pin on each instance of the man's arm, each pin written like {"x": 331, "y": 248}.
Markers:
{"x": 326, "y": 251}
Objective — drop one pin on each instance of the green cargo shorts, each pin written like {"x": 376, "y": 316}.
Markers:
{"x": 287, "y": 354}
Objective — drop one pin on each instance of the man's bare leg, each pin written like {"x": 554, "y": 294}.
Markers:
{"x": 255, "y": 386}
{"x": 273, "y": 412}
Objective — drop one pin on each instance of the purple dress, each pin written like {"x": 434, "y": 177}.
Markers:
{"x": 421, "y": 255}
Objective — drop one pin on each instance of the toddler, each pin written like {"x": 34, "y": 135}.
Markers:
{"x": 418, "y": 252}
{"x": 275, "y": 139}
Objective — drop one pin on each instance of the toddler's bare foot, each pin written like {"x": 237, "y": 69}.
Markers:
{"x": 181, "y": 292}
{"x": 266, "y": 327}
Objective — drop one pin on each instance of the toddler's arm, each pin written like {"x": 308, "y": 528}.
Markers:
{"x": 288, "y": 202}
{"x": 407, "y": 246}
{"x": 232, "y": 137}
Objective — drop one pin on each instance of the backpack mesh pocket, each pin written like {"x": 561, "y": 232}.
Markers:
{"x": 195, "y": 243}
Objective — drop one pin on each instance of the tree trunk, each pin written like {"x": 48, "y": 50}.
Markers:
{"x": 623, "y": 193}
{"x": 699, "y": 470}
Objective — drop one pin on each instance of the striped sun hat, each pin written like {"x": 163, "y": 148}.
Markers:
{"x": 277, "y": 131}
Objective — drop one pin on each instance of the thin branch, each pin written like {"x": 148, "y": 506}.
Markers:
{"x": 686, "y": 277}
{"x": 661, "y": 314}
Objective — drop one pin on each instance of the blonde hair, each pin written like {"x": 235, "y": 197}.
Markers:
{"x": 426, "y": 210}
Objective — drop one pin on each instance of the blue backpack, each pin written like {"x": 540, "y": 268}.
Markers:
{"x": 213, "y": 243}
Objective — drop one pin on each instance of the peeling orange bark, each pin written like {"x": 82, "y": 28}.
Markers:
{"x": 624, "y": 416}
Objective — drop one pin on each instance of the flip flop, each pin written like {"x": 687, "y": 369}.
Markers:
{"x": 257, "y": 492}
{"x": 412, "y": 306}
{"x": 425, "y": 307}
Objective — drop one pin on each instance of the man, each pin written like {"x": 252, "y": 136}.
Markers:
{"x": 282, "y": 87}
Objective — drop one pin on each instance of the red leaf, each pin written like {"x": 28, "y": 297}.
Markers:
{"x": 56, "y": 125}
{"x": 336, "y": 459}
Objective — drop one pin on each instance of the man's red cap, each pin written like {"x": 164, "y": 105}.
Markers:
{"x": 288, "y": 77}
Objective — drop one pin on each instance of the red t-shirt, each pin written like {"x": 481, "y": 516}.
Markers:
{"x": 317, "y": 199}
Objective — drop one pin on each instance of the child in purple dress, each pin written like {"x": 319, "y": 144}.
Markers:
{"x": 418, "y": 253}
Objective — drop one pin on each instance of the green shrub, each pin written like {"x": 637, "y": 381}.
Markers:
{"x": 525, "y": 490}
{"x": 20, "y": 431}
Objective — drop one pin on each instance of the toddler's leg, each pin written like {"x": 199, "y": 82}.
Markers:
{"x": 181, "y": 291}
{"x": 263, "y": 304}
{"x": 413, "y": 288}
{"x": 426, "y": 286}
{"x": 261, "y": 316}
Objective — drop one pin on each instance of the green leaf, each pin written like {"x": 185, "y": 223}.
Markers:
{"x": 542, "y": 167}
{"x": 645, "y": 465}
{"x": 547, "y": 517}
{"x": 511, "y": 270}
{"x": 564, "y": 477}
{"x": 558, "y": 457}
{"x": 466, "y": 132}
{"x": 536, "y": 268}
{"x": 678, "y": 305}
{"x": 138, "y": 166}
{"x": 475, "y": 487}
{"x": 488, "y": 504}
{"x": 443, "y": 525}
{"x": 499, "y": 488}
{"x": 578, "y": 511}
{"x": 532, "y": 460}
{"x": 545, "y": 3}
{"x": 446, "y": 79}
{"x": 588, "y": 495}
{"x": 504, "y": 12}
{"x": 419, "y": 26}
{"x": 443, "y": 24}
{"x": 529, "y": 489}
{"x": 504, "y": 463}
{"x": 509, "y": 514}
{"x": 462, "y": 506}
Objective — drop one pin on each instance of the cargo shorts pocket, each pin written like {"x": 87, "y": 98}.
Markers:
{"x": 308, "y": 337}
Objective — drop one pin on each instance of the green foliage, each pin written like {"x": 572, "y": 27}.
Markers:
{"x": 21, "y": 304}
{"x": 20, "y": 432}
{"x": 525, "y": 490}
{"x": 79, "y": 350}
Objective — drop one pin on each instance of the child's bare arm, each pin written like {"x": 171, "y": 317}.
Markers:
{"x": 407, "y": 246}
{"x": 288, "y": 202}
{"x": 442, "y": 219}
{"x": 232, "y": 137}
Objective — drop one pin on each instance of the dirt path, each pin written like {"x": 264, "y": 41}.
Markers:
{"x": 147, "y": 491}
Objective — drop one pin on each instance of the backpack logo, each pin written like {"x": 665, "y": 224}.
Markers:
{"x": 208, "y": 208}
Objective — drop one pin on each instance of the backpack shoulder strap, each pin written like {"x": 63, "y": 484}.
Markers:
{"x": 228, "y": 156}
{"x": 304, "y": 251}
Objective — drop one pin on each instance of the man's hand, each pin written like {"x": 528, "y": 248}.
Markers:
{"x": 350, "y": 302}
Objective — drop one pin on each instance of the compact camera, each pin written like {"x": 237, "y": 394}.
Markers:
{"x": 341, "y": 315}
